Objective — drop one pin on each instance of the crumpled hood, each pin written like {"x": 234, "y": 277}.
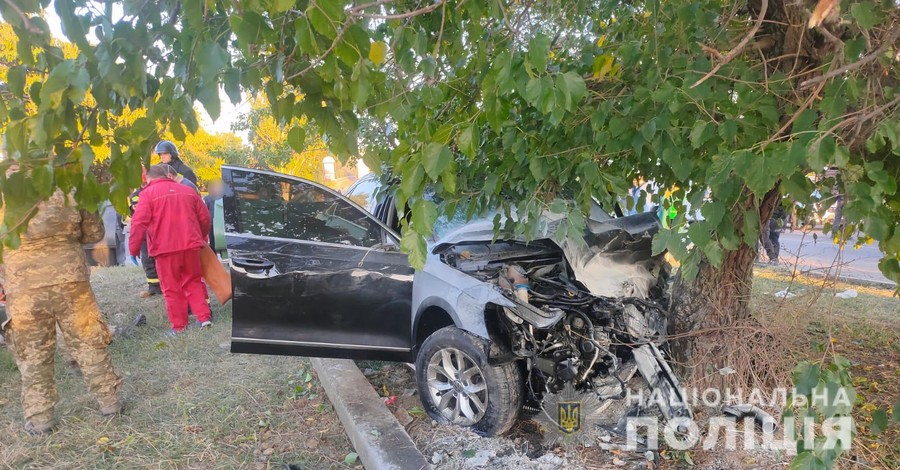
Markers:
{"x": 613, "y": 259}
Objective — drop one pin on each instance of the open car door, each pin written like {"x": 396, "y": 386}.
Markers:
{"x": 313, "y": 274}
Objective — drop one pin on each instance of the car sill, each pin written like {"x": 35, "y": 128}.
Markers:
{"x": 317, "y": 345}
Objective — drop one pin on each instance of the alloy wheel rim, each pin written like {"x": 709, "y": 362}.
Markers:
{"x": 457, "y": 386}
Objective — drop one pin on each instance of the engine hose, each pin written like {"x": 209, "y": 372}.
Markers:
{"x": 593, "y": 361}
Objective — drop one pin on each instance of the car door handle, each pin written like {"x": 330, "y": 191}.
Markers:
{"x": 253, "y": 264}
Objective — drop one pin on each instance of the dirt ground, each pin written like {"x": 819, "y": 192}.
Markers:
{"x": 189, "y": 402}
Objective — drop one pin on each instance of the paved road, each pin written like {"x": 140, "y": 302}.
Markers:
{"x": 822, "y": 254}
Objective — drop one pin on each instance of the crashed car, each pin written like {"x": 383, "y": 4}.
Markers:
{"x": 494, "y": 327}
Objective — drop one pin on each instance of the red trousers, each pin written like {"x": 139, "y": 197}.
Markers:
{"x": 180, "y": 277}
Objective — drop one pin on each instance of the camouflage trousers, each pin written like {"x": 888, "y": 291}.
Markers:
{"x": 35, "y": 315}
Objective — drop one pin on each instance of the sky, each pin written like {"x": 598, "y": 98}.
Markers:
{"x": 229, "y": 114}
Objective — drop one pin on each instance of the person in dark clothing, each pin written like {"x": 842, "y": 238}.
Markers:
{"x": 168, "y": 154}
{"x": 773, "y": 234}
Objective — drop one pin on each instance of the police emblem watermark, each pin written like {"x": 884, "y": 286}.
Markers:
{"x": 570, "y": 416}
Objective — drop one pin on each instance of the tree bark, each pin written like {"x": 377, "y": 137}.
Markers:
{"x": 716, "y": 302}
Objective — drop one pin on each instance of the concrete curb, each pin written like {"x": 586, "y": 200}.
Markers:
{"x": 377, "y": 436}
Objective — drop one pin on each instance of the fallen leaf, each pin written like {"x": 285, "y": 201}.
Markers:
{"x": 822, "y": 10}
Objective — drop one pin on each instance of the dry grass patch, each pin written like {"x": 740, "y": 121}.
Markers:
{"x": 189, "y": 402}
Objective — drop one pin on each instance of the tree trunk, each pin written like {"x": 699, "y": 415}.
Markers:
{"x": 710, "y": 319}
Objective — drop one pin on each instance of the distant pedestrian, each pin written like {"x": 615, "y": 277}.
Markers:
{"x": 47, "y": 284}
{"x": 771, "y": 237}
{"x": 168, "y": 154}
{"x": 175, "y": 222}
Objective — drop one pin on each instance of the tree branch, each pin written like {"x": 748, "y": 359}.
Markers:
{"x": 888, "y": 42}
{"x": 741, "y": 45}
{"x": 25, "y": 21}
{"x": 420, "y": 11}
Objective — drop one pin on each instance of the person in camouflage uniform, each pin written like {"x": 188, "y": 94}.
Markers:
{"x": 47, "y": 286}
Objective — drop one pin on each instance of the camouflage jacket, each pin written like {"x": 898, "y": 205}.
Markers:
{"x": 51, "y": 251}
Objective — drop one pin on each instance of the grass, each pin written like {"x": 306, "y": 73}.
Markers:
{"x": 865, "y": 329}
{"x": 189, "y": 403}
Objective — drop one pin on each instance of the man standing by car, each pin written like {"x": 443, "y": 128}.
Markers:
{"x": 42, "y": 296}
{"x": 175, "y": 222}
{"x": 168, "y": 154}
{"x": 147, "y": 261}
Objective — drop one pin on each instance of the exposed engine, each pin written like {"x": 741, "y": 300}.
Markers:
{"x": 566, "y": 335}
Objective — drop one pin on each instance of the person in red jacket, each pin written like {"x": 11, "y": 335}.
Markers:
{"x": 176, "y": 223}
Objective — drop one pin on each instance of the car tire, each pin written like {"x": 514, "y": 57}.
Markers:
{"x": 487, "y": 398}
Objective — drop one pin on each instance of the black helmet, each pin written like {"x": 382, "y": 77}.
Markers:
{"x": 164, "y": 146}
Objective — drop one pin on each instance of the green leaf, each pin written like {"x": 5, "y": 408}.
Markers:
{"x": 435, "y": 159}
{"x": 572, "y": 87}
{"x": 698, "y": 134}
{"x": 879, "y": 421}
{"x": 231, "y": 81}
{"x": 208, "y": 95}
{"x": 412, "y": 180}
{"x": 448, "y": 178}
{"x": 377, "y": 52}
{"x": 15, "y": 78}
{"x": 424, "y": 215}
{"x": 713, "y": 212}
{"x": 280, "y": 6}
{"x": 304, "y": 35}
{"x": 413, "y": 245}
{"x": 807, "y": 461}
{"x": 558, "y": 206}
{"x": 87, "y": 158}
{"x": 824, "y": 156}
{"x": 538, "y": 52}
{"x": 211, "y": 59}
{"x": 661, "y": 241}
{"x": 806, "y": 377}
{"x": 865, "y": 14}
{"x": 351, "y": 458}
{"x": 617, "y": 126}
{"x": 896, "y": 411}
{"x": 143, "y": 127}
{"x": 297, "y": 139}
{"x": 537, "y": 167}
{"x": 533, "y": 92}
{"x": 326, "y": 16}
{"x": 469, "y": 140}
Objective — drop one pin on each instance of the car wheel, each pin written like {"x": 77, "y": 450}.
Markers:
{"x": 458, "y": 386}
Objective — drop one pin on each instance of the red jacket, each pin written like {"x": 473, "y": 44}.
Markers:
{"x": 172, "y": 217}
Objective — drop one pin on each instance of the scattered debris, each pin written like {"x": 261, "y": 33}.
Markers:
{"x": 481, "y": 459}
{"x": 784, "y": 294}
{"x": 847, "y": 294}
{"x": 727, "y": 371}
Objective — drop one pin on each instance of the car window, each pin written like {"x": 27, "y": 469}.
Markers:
{"x": 363, "y": 193}
{"x": 273, "y": 206}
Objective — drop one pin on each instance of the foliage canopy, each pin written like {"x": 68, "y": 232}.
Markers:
{"x": 523, "y": 104}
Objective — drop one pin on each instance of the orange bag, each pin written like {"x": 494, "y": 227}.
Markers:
{"x": 215, "y": 275}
